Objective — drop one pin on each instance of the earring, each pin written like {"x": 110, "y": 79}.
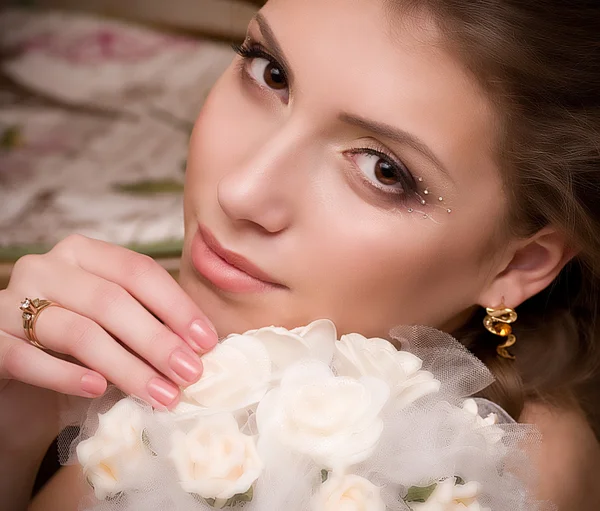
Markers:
{"x": 498, "y": 322}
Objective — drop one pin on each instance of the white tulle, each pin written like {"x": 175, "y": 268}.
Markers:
{"x": 435, "y": 436}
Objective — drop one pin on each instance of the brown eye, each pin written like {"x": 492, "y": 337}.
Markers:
{"x": 380, "y": 172}
{"x": 274, "y": 77}
{"x": 268, "y": 74}
{"x": 386, "y": 173}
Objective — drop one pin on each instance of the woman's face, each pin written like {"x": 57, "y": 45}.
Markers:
{"x": 349, "y": 158}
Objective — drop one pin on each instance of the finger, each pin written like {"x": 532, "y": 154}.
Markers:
{"x": 62, "y": 330}
{"x": 148, "y": 282}
{"x": 120, "y": 314}
{"x": 67, "y": 332}
{"x": 21, "y": 361}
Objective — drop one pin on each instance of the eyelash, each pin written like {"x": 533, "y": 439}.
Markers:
{"x": 249, "y": 51}
{"x": 252, "y": 50}
{"x": 409, "y": 188}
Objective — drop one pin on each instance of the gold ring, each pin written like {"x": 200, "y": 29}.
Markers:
{"x": 31, "y": 311}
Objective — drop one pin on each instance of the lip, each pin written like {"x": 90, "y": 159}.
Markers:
{"x": 226, "y": 269}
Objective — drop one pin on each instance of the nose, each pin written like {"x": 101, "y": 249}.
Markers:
{"x": 265, "y": 187}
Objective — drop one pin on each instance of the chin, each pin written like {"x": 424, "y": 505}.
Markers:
{"x": 233, "y": 313}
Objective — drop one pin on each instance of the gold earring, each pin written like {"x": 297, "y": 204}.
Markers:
{"x": 498, "y": 322}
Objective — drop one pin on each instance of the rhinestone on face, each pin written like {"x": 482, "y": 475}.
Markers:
{"x": 423, "y": 202}
{"x": 449, "y": 210}
{"x": 25, "y": 304}
{"x": 410, "y": 210}
{"x": 426, "y": 192}
{"x": 425, "y": 217}
{"x": 420, "y": 180}
{"x": 440, "y": 199}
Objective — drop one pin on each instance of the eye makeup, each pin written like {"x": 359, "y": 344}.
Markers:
{"x": 427, "y": 198}
{"x": 390, "y": 178}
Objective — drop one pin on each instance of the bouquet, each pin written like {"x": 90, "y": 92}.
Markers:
{"x": 298, "y": 420}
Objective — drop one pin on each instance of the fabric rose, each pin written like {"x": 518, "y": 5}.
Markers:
{"x": 450, "y": 496}
{"x": 215, "y": 460}
{"x": 348, "y": 493}
{"x": 358, "y": 356}
{"x": 334, "y": 420}
{"x": 236, "y": 375}
{"x": 115, "y": 454}
{"x": 286, "y": 347}
{"x": 492, "y": 434}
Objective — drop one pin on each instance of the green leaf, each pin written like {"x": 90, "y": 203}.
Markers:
{"x": 116, "y": 497}
{"x": 233, "y": 501}
{"x": 422, "y": 493}
{"x": 243, "y": 497}
{"x": 419, "y": 494}
{"x": 11, "y": 138}
{"x": 146, "y": 442}
{"x": 150, "y": 187}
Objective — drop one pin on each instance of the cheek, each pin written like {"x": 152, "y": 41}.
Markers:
{"x": 384, "y": 271}
{"x": 227, "y": 131}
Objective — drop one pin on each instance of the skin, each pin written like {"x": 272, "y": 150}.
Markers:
{"x": 273, "y": 178}
{"x": 273, "y": 175}
{"x": 277, "y": 176}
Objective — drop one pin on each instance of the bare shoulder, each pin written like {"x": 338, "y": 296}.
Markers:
{"x": 569, "y": 459}
{"x": 64, "y": 492}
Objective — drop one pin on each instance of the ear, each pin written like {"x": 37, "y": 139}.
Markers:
{"x": 535, "y": 263}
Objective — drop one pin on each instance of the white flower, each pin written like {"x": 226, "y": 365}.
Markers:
{"x": 349, "y": 493}
{"x": 486, "y": 427}
{"x": 236, "y": 375}
{"x": 115, "y": 454}
{"x": 286, "y": 347}
{"x": 238, "y": 372}
{"x": 335, "y": 420}
{"x": 358, "y": 356}
{"x": 215, "y": 460}
{"x": 449, "y": 496}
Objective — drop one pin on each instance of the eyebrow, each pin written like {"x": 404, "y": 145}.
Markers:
{"x": 273, "y": 44}
{"x": 378, "y": 128}
{"x": 395, "y": 134}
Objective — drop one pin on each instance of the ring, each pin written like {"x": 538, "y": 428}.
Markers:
{"x": 31, "y": 310}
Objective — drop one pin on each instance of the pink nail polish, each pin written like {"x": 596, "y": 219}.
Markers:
{"x": 163, "y": 392}
{"x": 187, "y": 367}
{"x": 93, "y": 384}
{"x": 203, "y": 336}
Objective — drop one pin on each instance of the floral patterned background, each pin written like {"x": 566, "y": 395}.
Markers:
{"x": 95, "y": 117}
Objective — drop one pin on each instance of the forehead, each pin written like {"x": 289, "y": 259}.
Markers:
{"x": 361, "y": 56}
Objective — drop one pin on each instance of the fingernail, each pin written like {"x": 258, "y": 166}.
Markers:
{"x": 203, "y": 336}
{"x": 93, "y": 384}
{"x": 187, "y": 367}
{"x": 163, "y": 392}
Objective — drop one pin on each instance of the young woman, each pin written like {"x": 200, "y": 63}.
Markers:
{"x": 374, "y": 162}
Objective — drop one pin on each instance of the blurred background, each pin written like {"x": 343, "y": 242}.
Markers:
{"x": 97, "y": 102}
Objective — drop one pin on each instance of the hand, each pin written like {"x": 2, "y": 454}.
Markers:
{"x": 121, "y": 316}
